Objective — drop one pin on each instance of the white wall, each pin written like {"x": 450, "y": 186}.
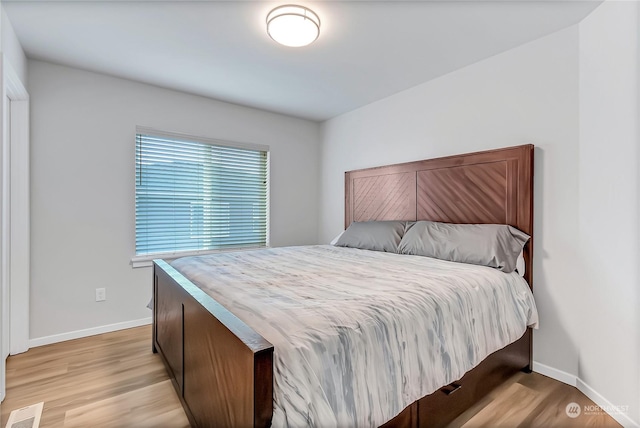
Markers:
{"x": 530, "y": 94}
{"x": 609, "y": 334}
{"x": 83, "y": 188}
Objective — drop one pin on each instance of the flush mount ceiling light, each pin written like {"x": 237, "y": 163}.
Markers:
{"x": 293, "y": 25}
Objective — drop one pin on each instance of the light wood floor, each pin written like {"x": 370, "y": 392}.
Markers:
{"x": 113, "y": 380}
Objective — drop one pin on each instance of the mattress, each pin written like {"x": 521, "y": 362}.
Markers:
{"x": 359, "y": 335}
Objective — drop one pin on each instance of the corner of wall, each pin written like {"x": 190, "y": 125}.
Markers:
{"x": 13, "y": 53}
{"x": 609, "y": 133}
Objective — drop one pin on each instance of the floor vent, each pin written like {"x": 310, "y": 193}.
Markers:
{"x": 27, "y": 417}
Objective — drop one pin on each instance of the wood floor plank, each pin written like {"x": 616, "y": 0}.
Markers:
{"x": 509, "y": 410}
{"x": 80, "y": 372}
{"x": 153, "y": 405}
{"x": 532, "y": 400}
{"x": 114, "y": 380}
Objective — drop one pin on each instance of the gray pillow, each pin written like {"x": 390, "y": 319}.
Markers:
{"x": 493, "y": 245}
{"x": 373, "y": 235}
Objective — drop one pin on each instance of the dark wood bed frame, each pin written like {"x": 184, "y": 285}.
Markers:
{"x": 222, "y": 369}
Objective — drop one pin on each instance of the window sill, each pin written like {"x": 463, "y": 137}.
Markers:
{"x": 146, "y": 260}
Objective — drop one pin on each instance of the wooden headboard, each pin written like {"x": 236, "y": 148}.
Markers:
{"x": 494, "y": 186}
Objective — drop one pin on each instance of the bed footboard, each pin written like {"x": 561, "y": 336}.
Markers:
{"x": 221, "y": 369}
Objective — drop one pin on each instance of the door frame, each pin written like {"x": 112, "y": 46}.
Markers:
{"x": 15, "y": 217}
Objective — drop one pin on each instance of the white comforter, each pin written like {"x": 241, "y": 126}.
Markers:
{"x": 360, "y": 335}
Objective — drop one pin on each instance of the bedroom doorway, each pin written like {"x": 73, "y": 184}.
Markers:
{"x": 14, "y": 218}
{"x": 4, "y": 291}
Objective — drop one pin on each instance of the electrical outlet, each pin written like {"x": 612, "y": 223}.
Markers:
{"x": 101, "y": 294}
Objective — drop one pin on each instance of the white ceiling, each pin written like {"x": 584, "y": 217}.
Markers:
{"x": 367, "y": 50}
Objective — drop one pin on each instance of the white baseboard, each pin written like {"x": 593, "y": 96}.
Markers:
{"x": 47, "y": 340}
{"x": 556, "y": 374}
{"x": 616, "y": 413}
{"x": 564, "y": 377}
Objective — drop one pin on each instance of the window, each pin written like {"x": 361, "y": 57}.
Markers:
{"x": 195, "y": 195}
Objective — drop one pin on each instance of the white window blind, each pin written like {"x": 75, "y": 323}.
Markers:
{"x": 193, "y": 196}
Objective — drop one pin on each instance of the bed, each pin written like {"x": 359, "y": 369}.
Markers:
{"x": 223, "y": 370}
